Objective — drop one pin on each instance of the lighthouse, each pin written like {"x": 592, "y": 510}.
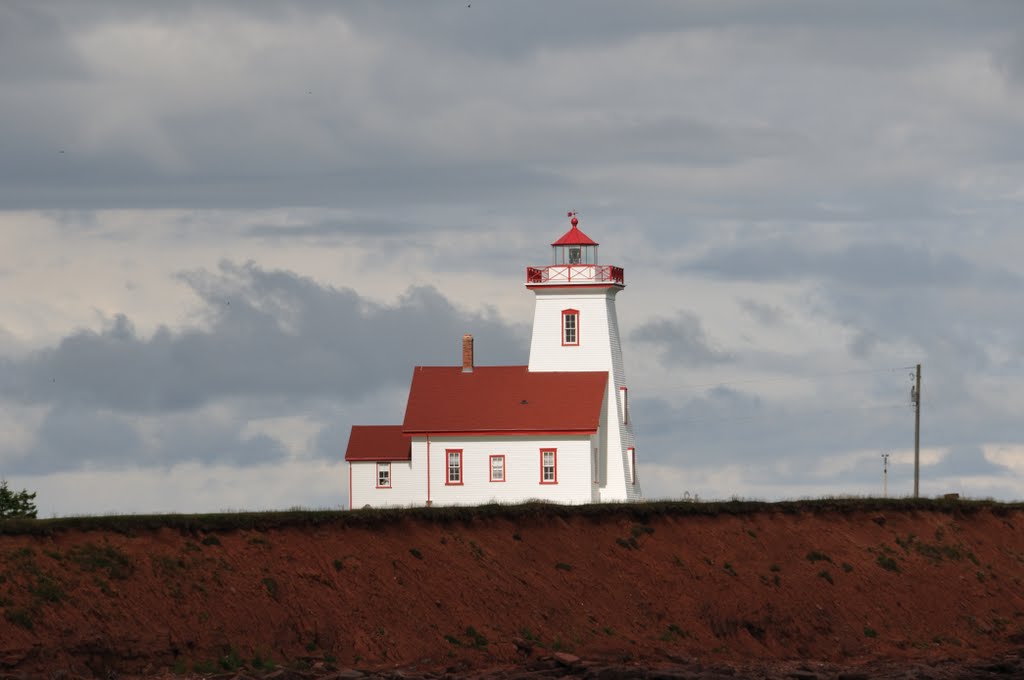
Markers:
{"x": 575, "y": 328}
{"x": 558, "y": 429}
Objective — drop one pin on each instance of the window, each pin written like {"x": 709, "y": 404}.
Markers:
{"x": 454, "y": 467}
{"x": 570, "y": 327}
{"x": 383, "y": 475}
{"x": 497, "y": 468}
{"x": 632, "y": 463}
{"x": 574, "y": 255}
{"x": 596, "y": 475}
{"x": 548, "y": 466}
{"x": 625, "y": 405}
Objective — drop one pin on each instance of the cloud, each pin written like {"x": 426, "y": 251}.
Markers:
{"x": 681, "y": 340}
{"x": 267, "y": 333}
{"x": 885, "y": 265}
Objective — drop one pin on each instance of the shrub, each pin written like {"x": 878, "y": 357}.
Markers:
{"x": 271, "y": 586}
{"x": 563, "y": 566}
{"x": 91, "y": 557}
{"x": 210, "y": 540}
{"x": 888, "y": 563}
{"x": 870, "y": 632}
{"x": 816, "y": 556}
{"x": 416, "y": 553}
{"x": 827, "y": 576}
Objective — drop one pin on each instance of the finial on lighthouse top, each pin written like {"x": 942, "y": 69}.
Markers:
{"x": 575, "y": 237}
{"x": 572, "y": 214}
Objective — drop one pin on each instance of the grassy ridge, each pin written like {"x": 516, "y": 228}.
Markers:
{"x": 262, "y": 521}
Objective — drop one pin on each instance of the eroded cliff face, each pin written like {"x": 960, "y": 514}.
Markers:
{"x": 829, "y": 586}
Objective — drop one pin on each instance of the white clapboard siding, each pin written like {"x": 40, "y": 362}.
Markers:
{"x": 599, "y": 349}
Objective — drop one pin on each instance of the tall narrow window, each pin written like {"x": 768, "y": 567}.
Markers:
{"x": 570, "y": 327}
{"x": 383, "y": 475}
{"x": 548, "y": 466}
{"x": 632, "y": 464}
{"x": 454, "y": 467}
{"x": 596, "y": 474}
{"x": 625, "y": 405}
{"x": 497, "y": 468}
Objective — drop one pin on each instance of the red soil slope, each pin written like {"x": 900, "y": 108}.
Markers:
{"x": 767, "y": 586}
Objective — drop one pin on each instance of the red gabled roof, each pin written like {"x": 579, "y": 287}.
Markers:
{"x": 377, "y": 442}
{"x": 503, "y": 400}
{"x": 575, "y": 237}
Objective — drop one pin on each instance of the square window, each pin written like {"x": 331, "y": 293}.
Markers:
{"x": 383, "y": 475}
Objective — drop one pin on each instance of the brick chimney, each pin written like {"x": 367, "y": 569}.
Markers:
{"x": 467, "y": 353}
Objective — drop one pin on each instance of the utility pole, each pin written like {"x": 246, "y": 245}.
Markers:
{"x": 915, "y": 398}
{"x": 885, "y": 475}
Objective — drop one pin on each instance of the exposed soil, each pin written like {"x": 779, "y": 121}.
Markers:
{"x": 768, "y": 590}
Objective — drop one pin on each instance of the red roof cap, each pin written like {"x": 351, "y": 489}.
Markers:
{"x": 503, "y": 399}
{"x": 575, "y": 237}
{"x": 377, "y": 442}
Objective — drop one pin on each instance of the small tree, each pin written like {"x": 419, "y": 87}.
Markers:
{"x": 16, "y": 503}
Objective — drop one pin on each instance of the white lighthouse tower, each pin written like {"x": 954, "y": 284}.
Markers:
{"x": 575, "y": 328}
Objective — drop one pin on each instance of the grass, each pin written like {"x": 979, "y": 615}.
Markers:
{"x": 130, "y": 525}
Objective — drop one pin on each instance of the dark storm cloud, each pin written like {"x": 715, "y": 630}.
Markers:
{"x": 269, "y": 333}
{"x": 680, "y": 340}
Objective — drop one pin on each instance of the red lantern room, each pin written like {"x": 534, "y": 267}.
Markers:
{"x": 574, "y": 247}
{"x": 574, "y": 261}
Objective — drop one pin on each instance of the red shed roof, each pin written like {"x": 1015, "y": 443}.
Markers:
{"x": 503, "y": 400}
{"x": 377, "y": 442}
{"x": 575, "y": 237}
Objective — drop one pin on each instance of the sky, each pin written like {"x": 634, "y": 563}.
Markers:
{"x": 230, "y": 230}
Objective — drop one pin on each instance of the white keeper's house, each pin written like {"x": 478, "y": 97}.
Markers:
{"x": 558, "y": 429}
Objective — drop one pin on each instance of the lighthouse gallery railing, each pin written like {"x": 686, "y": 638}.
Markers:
{"x": 576, "y": 273}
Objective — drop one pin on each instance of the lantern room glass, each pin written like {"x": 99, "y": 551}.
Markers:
{"x": 574, "y": 254}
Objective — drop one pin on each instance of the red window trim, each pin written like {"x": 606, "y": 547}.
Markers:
{"x": 447, "y": 470}
{"x": 565, "y": 313}
{"x": 555, "y": 460}
{"x": 376, "y": 474}
{"x": 632, "y": 459}
{"x": 490, "y": 467}
{"x": 624, "y": 391}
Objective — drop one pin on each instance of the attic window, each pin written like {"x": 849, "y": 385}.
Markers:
{"x": 570, "y": 327}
